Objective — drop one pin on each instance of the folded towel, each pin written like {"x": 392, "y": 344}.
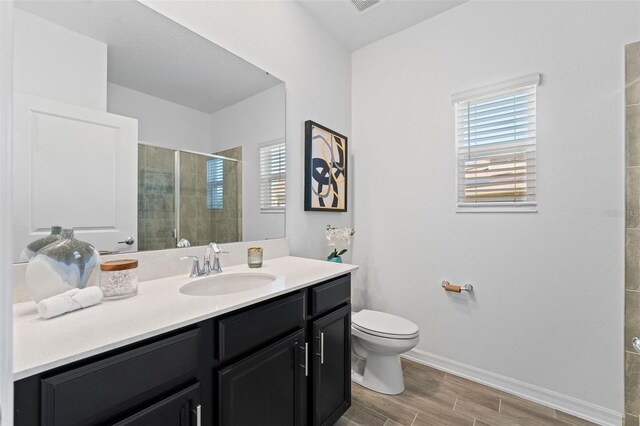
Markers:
{"x": 69, "y": 301}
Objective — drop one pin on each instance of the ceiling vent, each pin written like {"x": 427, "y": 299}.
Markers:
{"x": 365, "y": 5}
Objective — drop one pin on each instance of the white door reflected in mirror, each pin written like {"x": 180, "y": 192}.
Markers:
{"x": 59, "y": 184}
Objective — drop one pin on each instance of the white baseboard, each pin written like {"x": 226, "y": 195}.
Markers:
{"x": 570, "y": 405}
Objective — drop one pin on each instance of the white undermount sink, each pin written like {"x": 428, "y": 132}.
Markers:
{"x": 220, "y": 285}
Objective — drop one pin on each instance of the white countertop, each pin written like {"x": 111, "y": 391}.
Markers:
{"x": 159, "y": 307}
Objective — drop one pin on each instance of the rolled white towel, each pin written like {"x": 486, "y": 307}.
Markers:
{"x": 69, "y": 301}
{"x": 88, "y": 296}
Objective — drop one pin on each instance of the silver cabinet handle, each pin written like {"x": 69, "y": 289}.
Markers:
{"x": 199, "y": 415}
{"x": 321, "y": 348}
{"x": 306, "y": 359}
{"x": 129, "y": 241}
{"x": 636, "y": 344}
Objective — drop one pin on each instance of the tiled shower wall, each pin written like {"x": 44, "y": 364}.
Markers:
{"x": 201, "y": 225}
{"x": 198, "y": 224}
{"x": 195, "y": 218}
{"x": 227, "y": 223}
{"x": 156, "y": 198}
{"x": 632, "y": 270}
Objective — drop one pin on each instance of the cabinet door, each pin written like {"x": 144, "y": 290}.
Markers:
{"x": 180, "y": 409}
{"x": 266, "y": 388}
{"x": 331, "y": 394}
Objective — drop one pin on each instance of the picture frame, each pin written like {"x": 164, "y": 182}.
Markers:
{"x": 326, "y": 173}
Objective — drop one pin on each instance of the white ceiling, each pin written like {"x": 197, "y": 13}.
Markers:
{"x": 152, "y": 54}
{"x": 355, "y": 30}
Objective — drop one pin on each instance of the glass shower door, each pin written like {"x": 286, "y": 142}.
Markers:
{"x": 190, "y": 196}
{"x": 209, "y": 198}
{"x": 156, "y": 198}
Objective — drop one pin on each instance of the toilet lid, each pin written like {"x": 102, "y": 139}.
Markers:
{"x": 383, "y": 324}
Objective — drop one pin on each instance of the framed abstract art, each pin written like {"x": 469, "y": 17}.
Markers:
{"x": 325, "y": 176}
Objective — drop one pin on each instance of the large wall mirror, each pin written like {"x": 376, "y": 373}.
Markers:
{"x": 140, "y": 134}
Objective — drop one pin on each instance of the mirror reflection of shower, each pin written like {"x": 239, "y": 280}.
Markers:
{"x": 187, "y": 198}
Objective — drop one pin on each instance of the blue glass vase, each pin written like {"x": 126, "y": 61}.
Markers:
{"x": 31, "y": 250}
{"x": 336, "y": 259}
{"x": 60, "y": 266}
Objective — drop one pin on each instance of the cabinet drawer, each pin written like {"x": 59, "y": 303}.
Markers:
{"x": 179, "y": 409}
{"x": 330, "y": 295}
{"x": 96, "y": 391}
{"x": 239, "y": 333}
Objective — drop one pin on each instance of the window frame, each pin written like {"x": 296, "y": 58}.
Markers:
{"x": 283, "y": 208}
{"x": 216, "y": 184}
{"x": 531, "y": 80}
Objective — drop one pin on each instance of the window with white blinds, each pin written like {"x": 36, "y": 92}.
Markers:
{"x": 272, "y": 177}
{"x": 496, "y": 147}
{"x": 215, "y": 184}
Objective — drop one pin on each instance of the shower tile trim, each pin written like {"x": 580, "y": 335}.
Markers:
{"x": 632, "y": 234}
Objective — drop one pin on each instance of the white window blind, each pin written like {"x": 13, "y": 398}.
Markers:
{"x": 215, "y": 184}
{"x": 496, "y": 149}
{"x": 272, "y": 177}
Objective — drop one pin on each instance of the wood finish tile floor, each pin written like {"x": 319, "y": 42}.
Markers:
{"x": 435, "y": 398}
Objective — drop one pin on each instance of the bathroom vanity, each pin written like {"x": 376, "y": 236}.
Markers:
{"x": 278, "y": 355}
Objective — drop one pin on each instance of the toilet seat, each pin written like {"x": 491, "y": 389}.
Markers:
{"x": 382, "y": 324}
{"x": 385, "y": 335}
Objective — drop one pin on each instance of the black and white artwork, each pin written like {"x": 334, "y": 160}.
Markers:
{"x": 325, "y": 169}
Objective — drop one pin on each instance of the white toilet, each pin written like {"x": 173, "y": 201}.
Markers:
{"x": 378, "y": 339}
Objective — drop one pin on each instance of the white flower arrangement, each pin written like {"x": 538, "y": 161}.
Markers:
{"x": 338, "y": 238}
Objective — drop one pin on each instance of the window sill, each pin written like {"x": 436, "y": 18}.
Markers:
{"x": 493, "y": 209}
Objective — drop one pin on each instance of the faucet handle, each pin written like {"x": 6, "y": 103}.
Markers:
{"x": 195, "y": 266}
{"x": 216, "y": 254}
{"x": 215, "y": 248}
{"x": 215, "y": 267}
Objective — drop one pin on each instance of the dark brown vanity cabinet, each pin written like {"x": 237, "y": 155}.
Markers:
{"x": 261, "y": 380}
{"x": 131, "y": 386}
{"x": 266, "y": 388}
{"x": 331, "y": 384}
{"x": 329, "y": 330}
{"x": 284, "y": 361}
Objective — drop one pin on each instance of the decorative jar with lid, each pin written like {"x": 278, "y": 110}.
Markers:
{"x": 119, "y": 279}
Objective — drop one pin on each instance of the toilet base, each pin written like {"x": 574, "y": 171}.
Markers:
{"x": 382, "y": 373}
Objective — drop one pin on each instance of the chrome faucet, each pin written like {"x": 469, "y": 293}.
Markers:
{"x": 195, "y": 266}
{"x": 207, "y": 266}
{"x": 217, "y": 251}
